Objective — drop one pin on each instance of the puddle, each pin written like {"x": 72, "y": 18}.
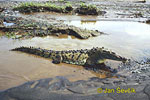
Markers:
{"x": 58, "y": 16}
{"x": 130, "y": 39}
{"x": 55, "y": 17}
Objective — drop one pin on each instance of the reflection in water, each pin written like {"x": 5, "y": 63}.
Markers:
{"x": 60, "y": 17}
{"x": 65, "y": 36}
{"x": 130, "y": 39}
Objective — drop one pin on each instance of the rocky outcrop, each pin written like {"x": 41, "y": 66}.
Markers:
{"x": 41, "y": 7}
{"x": 148, "y": 21}
{"x": 84, "y": 9}
{"x": 88, "y": 10}
{"x": 29, "y": 28}
{"x": 60, "y": 88}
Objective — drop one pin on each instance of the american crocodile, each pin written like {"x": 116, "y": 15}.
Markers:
{"x": 86, "y": 57}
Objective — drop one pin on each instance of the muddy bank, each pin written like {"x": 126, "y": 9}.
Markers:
{"x": 65, "y": 7}
{"x": 41, "y": 7}
{"x": 26, "y": 28}
{"x": 113, "y": 9}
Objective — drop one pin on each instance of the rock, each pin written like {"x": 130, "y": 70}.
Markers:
{"x": 38, "y": 28}
{"x": 147, "y": 90}
{"x": 148, "y": 21}
{"x": 140, "y": 1}
{"x": 59, "y": 88}
{"x": 129, "y": 96}
{"x": 87, "y": 10}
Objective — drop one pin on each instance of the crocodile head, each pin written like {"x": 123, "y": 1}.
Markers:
{"x": 99, "y": 55}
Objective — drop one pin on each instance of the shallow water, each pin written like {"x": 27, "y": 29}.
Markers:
{"x": 52, "y": 16}
{"x": 130, "y": 39}
{"x": 127, "y": 37}
{"x": 17, "y": 68}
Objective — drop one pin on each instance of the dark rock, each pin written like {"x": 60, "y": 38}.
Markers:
{"x": 87, "y": 10}
{"x": 119, "y": 82}
{"x": 147, "y": 90}
{"x": 129, "y": 96}
{"x": 148, "y": 21}
{"x": 59, "y": 83}
{"x": 45, "y": 95}
{"x": 102, "y": 12}
{"x": 135, "y": 93}
{"x": 68, "y": 8}
{"x": 45, "y": 89}
{"x": 140, "y": 1}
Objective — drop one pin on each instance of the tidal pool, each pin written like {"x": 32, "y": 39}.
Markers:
{"x": 130, "y": 39}
{"x": 126, "y": 37}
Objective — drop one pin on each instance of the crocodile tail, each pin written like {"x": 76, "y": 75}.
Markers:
{"x": 36, "y": 51}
